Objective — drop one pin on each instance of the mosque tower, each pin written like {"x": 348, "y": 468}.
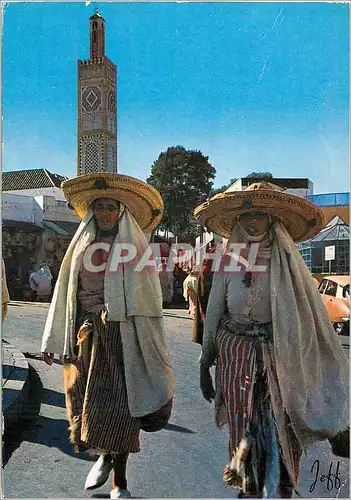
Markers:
{"x": 97, "y": 107}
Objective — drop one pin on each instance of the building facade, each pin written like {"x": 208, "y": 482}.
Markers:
{"x": 333, "y": 204}
{"x": 33, "y": 182}
{"x": 336, "y": 234}
{"x": 35, "y": 230}
{"x": 336, "y": 208}
{"x": 298, "y": 187}
{"x": 97, "y": 106}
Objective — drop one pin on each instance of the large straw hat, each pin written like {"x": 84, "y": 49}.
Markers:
{"x": 143, "y": 200}
{"x": 301, "y": 218}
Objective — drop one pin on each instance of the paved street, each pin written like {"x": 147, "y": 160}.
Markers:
{"x": 185, "y": 460}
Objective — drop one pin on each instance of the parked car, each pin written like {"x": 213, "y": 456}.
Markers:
{"x": 335, "y": 291}
{"x": 316, "y": 282}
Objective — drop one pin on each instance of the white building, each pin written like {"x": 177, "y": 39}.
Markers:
{"x": 21, "y": 208}
{"x": 298, "y": 187}
{"x": 41, "y": 192}
{"x": 37, "y": 226}
{"x": 34, "y": 182}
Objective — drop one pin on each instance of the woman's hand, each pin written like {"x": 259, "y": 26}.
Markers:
{"x": 206, "y": 384}
{"x": 47, "y": 357}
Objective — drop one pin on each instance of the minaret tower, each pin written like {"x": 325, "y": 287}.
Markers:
{"x": 97, "y": 108}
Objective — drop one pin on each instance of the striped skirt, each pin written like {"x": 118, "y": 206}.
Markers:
{"x": 96, "y": 394}
{"x": 258, "y": 464}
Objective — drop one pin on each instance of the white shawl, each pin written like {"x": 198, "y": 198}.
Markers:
{"x": 312, "y": 368}
{"x": 132, "y": 298}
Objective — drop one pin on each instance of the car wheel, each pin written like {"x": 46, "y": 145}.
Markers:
{"x": 345, "y": 330}
{"x": 338, "y": 327}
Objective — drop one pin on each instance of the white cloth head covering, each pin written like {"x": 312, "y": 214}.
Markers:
{"x": 265, "y": 240}
{"x": 312, "y": 368}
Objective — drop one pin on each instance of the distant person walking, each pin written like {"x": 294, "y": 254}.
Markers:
{"x": 190, "y": 285}
{"x": 5, "y": 292}
{"x": 167, "y": 282}
{"x": 203, "y": 292}
{"x": 40, "y": 283}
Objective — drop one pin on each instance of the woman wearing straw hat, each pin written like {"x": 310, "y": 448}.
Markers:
{"x": 281, "y": 374}
{"x": 106, "y": 320}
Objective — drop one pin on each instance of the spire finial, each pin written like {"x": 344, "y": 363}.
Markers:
{"x": 96, "y": 7}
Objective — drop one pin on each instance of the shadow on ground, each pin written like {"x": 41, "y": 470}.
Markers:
{"x": 13, "y": 435}
{"x": 166, "y": 314}
{"x": 178, "y": 428}
{"x": 53, "y": 433}
{"x": 53, "y": 398}
{"x": 13, "y": 372}
{"x": 106, "y": 495}
{"x": 36, "y": 428}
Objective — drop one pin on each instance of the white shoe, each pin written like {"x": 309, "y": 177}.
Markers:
{"x": 99, "y": 474}
{"x": 120, "y": 493}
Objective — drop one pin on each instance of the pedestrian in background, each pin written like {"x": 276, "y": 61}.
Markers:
{"x": 190, "y": 286}
{"x": 203, "y": 292}
{"x": 281, "y": 373}
{"x": 5, "y": 292}
{"x": 167, "y": 283}
{"x": 40, "y": 283}
{"x": 108, "y": 325}
{"x": 179, "y": 276}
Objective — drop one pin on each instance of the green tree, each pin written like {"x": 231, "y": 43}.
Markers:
{"x": 184, "y": 179}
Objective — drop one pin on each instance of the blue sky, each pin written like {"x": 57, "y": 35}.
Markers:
{"x": 254, "y": 86}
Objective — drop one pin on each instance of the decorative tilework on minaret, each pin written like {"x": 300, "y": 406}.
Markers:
{"x": 97, "y": 108}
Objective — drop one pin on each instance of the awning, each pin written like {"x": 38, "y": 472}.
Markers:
{"x": 52, "y": 226}
{"x": 69, "y": 227}
{"x": 21, "y": 226}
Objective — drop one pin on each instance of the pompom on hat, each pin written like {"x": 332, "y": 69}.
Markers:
{"x": 142, "y": 200}
{"x": 302, "y": 219}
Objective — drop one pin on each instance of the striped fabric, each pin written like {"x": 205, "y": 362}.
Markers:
{"x": 257, "y": 462}
{"x": 96, "y": 397}
{"x": 237, "y": 366}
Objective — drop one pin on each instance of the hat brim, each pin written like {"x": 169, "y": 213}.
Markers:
{"x": 302, "y": 219}
{"x": 141, "y": 199}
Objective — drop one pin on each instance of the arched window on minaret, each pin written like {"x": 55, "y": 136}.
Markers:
{"x": 97, "y": 37}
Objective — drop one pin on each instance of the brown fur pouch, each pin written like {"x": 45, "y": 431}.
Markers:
{"x": 341, "y": 444}
{"x": 157, "y": 420}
